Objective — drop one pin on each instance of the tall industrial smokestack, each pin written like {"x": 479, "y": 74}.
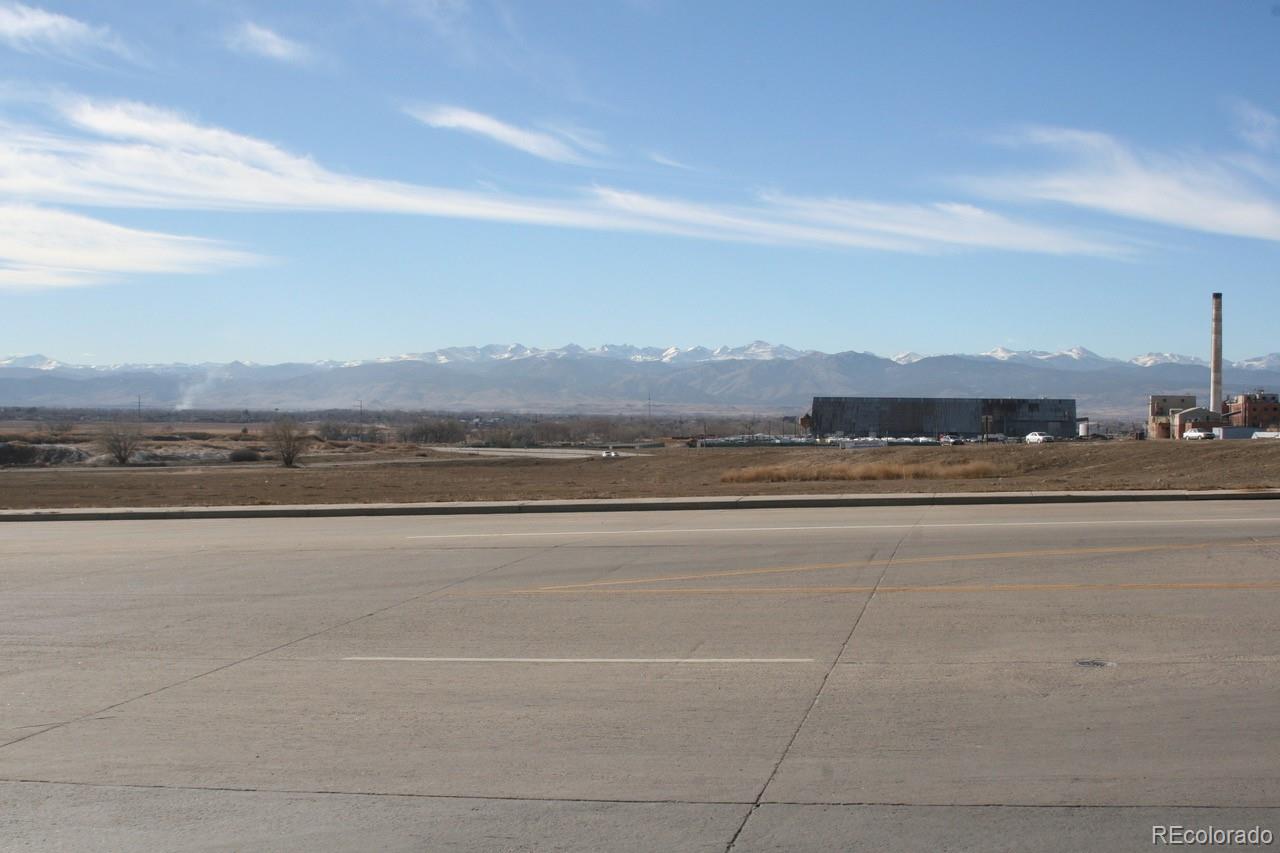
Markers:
{"x": 1215, "y": 364}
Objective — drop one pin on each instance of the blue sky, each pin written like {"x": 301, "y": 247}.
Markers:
{"x": 219, "y": 180}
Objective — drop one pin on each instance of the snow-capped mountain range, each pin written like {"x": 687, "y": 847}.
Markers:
{"x": 1069, "y": 359}
{"x": 754, "y": 351}
{"x": 622, "y": 378}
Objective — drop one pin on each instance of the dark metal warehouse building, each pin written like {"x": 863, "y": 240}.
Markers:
{"x": 932, "y": 416}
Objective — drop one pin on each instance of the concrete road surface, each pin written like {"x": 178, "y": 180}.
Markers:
{"x": 1029, "y": 678}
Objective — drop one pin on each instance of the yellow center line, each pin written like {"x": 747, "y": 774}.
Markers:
{"x": 853, "y": 590}
{"x": 906, "y": 561}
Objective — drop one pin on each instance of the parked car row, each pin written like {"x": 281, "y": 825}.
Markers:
{"x": 952, "y": 439}
{"x": 1198, "y": 434}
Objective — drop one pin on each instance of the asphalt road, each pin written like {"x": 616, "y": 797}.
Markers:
{"x": 867, "y": 679}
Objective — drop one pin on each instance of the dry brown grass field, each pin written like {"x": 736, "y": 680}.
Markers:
{"x": 350, "y": 472}
{"x": 818, "y": 471}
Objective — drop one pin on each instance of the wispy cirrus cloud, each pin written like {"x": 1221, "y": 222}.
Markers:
{"x": 946, "y": 224}
{"x": 669, "y": 162}
{"x": 859, "y": 224}
{"x": 561, "y": 147}
{"x": 1196, "y": 190}
{"x": 42, "y": 248}
{"x": 1259, "y": 128}
{"x": 128, "y": 154}
{"x": 33, "y": 30}
{"x": 446, "y": 18}
{"x": 489, "y": 35}
{"x": 258, "y": 40}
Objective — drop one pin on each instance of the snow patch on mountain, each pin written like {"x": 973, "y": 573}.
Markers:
{"x": 1151, "y": 359}
{"x": 754, "y": 351}
{"x": 31, "y": 362}
{"x": 1259, "y": 362}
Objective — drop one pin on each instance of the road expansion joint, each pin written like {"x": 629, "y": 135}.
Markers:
{"x": 255, "y": 656}
{"x": 998, "y": 805}
{"x": 327, "y": 792}
{"x": 43, "y": 727}
{"x": 826, "y": 677}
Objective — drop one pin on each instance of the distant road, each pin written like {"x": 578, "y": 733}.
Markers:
{"x": 536, "y": 452}
{"x": 1038, "y": 678}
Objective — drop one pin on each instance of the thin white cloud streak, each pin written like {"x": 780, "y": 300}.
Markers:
{"x": 489, "y": 36}
{"x": 944, "y": 223}
{"x": 543, "y": 145}
{"x": 669, "y": 162}
{"x": 124, "y": 154}
{"x": 1257, "y": 127}
{"x": 740, "y": 223}
{"x": 260, "y": 41}
{"x": 42, "y": 248}
{"x": 139, "y": 156}
{"x": 449, "y": 20}
{"x": 586, "y": 140}
{"x": 1192, "y": 190}
{"x": 37, "y": 31}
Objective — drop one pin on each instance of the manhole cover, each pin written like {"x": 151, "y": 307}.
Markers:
{"x": 1094, "y": 662}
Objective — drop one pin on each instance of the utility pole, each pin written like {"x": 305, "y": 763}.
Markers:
{"x": 139, "y": 410}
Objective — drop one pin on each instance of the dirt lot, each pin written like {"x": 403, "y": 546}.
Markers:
{"x": 398, "y": 474}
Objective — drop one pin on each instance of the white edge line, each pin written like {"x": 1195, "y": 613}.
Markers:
{"x": 848, "y": 527}
{"x": 584, "y": 660}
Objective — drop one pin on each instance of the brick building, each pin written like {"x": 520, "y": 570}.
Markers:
{"x": 1257, "y": 409}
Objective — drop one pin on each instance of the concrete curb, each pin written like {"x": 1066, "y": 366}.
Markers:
{"x": 629, "y": 505}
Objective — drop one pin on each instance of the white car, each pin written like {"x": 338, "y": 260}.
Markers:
{"x": 610, "y": 454}
{"x": 1197, "y": 435}
{"x": 1039, "y": 438}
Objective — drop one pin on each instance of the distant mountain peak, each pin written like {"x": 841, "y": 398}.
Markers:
{"x": 1151, "y": 359}
{"x": 1076, "y": 352}
{"x": 1005, "y": 354}
{"x": 1260, "y": 362}
{"x": 35, "y": 361}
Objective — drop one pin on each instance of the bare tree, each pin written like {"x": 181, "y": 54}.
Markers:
{"x": 336, "y": 431}
{"x": 118, "y": 440}
{"x": 58, "y": 429}
{"x": 433, "y": 431}
{"x": 288, "y": 439}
